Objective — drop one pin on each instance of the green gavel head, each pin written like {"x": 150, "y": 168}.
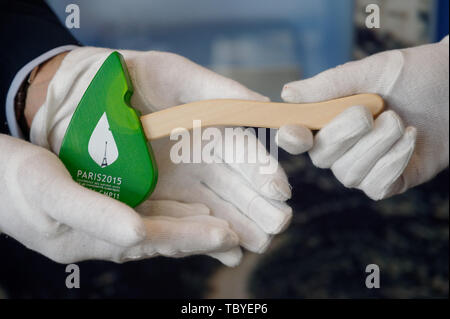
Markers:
{"x": 105, "y": 148}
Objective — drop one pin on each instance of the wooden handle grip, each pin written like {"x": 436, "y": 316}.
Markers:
{"x": 228, "y": 112}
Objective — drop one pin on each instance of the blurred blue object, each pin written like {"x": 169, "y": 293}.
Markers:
{"x": 310, "y": 35}
{"x": 442, "y": 19}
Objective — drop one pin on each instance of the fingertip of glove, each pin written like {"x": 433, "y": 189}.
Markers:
{"x": 231, "y": 258}
{"x": 280, "y": 190}
{"x": 392, "y": 120}
{"x": 355, "y": 115}
{"x": 131, "y": 232}
{"x": 411, "y": 133}
{"x": 133, "y": 236}
{"x": 285, "y": 222}
{"x": 265, "y": 98}
{"x": 281, "y": 219}
{"x": 289, "y": 94}
{"x": 221, "y": 238}
{"x": 258, "y": 97}
{"x": 294, "y": 139}
{"x": 305, "y": 91}
{"x": 380, "y": 194}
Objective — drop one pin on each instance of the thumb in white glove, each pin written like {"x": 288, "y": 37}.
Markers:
{"x": 386, "y": 156}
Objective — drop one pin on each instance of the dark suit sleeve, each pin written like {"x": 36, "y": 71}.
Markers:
{"x": 28, "y": 29}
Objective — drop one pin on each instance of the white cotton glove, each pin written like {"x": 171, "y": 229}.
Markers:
{"x": 44, "y": 209}
{"x": 405, "y": 146}
{"x": 236, "y": 194}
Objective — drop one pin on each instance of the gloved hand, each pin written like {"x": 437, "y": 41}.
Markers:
{"x": 251, "y": 202}
{"x": 381, "y": 158}
{"x": 44, "y": 209}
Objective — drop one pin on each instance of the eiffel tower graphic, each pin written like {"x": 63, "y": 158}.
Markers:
{"x": 105, "y": 161}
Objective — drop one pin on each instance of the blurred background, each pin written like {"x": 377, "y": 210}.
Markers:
{"x": 335, "y": 232}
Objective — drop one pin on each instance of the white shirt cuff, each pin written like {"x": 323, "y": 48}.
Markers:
{"x": 18, "y": 80}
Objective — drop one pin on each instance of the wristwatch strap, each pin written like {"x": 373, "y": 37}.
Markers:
{"x": 20, "y": 103}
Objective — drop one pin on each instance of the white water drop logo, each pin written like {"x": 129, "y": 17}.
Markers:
{"x": 102, "y": 147}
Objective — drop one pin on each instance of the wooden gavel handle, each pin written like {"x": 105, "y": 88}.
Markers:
{"x": 229, "y": 112}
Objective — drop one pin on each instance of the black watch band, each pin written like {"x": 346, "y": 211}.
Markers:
{"x": 20, "y": 103}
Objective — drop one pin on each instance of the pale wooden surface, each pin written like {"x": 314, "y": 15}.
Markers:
{"x": 227, "y": 112}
